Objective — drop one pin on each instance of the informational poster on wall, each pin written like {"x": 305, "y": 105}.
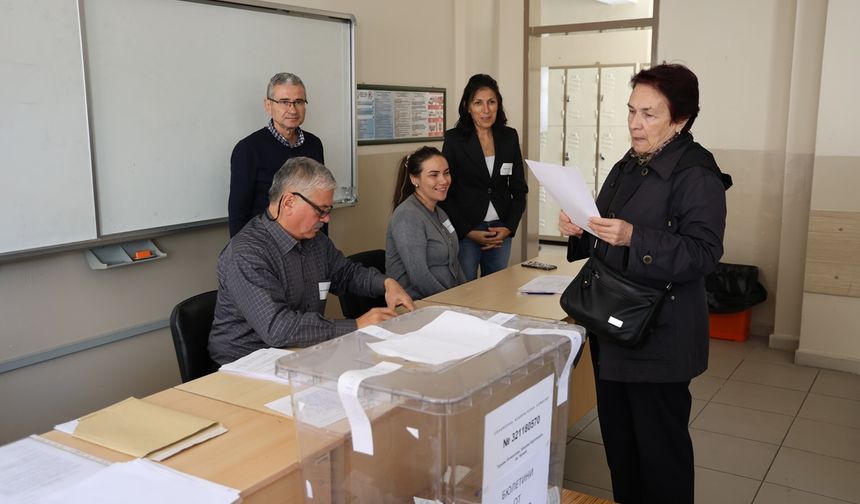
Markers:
{"x": 517, "y": 439}
{"x": 396, "y": 114}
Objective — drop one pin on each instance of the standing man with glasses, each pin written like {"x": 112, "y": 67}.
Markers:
{"x": 258, "y": 156}
{"x": 275, "y": 275}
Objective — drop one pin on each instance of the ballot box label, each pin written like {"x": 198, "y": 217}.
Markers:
{"x": 517, "y": 439}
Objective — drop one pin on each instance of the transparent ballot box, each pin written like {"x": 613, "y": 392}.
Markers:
{"x": 383, "y": 417}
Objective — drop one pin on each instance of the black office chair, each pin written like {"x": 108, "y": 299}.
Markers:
{"x": 356, "y": 306}
{"x": 190, "y": 323}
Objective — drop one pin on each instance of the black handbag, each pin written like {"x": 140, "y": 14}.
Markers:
{"x": 611, "y": 306}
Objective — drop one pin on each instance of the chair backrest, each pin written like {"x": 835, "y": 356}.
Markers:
{"x": 190, "y": 323}
{"x": 356, "y": 306}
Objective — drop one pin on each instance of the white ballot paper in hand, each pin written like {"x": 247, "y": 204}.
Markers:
{"x": 566, "y": 185}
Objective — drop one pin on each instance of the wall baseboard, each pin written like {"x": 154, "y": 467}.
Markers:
{"x": 835, "y": 362}
{"x": 760, "y": 329}
{"x": 783, "y": 341}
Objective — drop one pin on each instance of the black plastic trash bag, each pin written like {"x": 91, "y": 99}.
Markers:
{"x": 733, "y": 288}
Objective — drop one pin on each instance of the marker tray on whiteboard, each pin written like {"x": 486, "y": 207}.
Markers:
{"x": 123, "y": 254}
{"x": 453, "y": 432}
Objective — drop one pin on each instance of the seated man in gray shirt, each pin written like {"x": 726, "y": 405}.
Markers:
{"x": 275, "y": 274}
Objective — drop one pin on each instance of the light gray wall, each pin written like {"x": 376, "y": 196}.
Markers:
{"x": 744, "y": 82}
{"x": 57, "y": 299}
{"x": 828, "y": 336}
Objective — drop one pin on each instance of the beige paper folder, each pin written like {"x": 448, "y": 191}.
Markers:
{"x": 240, "y": 390}
{"x": 139, "y": 428}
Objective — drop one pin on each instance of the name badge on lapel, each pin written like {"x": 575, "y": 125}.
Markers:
{"x": 506, "y": 169}
{"x": 447, "y": 224}
{"x": 324, "y": 290}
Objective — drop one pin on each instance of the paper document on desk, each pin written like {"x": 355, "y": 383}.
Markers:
{"x": 318, "y": 406}
{"x": 33, "y": 467}
{"x": 259, "y": 364}
{"x": 566, "y": 186}
{"x": 546, "y": 284}
{"x": 450, "y": 336}
{"x": 143, "y": 429}
{"x": 142, "y": 481}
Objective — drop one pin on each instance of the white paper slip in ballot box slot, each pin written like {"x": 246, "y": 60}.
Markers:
{"x": 406, "y": 430}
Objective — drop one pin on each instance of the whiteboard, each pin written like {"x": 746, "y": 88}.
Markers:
{"x": 46, "y": 185}
{"x": 119, "y": 116}
{"x": 175, "y": 84}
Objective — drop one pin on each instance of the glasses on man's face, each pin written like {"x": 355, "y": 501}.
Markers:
{"x": 286, "y": 102}
{"x": 322, "y": 212}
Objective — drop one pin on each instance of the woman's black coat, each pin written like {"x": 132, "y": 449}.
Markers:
{"x": 677, "y": 206}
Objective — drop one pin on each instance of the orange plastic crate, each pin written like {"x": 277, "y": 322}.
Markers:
{"x": 730, "y": 326}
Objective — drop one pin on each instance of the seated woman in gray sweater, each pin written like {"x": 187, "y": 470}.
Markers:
{"x": 421, "y": 245}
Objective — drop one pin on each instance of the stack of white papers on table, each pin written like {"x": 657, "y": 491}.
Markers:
{"x": 142, "y": 481}
{"x": 259, "y": 364}
{"x": 452, "y": 335}
{"x": 546, "y": 284}
{"x": 33, "y": 467}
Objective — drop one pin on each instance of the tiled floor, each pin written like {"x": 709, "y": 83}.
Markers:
{"x": 765, "y": 431}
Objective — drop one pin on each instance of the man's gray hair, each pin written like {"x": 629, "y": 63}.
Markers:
{"x": 302, "y": 175}
{"x": 282, "y": 78}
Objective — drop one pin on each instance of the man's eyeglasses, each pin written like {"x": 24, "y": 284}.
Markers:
{"x": 323, "y": 212}
{"x": 287, "y": 102}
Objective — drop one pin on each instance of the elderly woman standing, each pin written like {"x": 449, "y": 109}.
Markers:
{"x": 488, "y": 191}
{"x": 663, "y": 211}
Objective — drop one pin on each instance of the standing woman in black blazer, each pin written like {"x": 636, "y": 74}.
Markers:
{"x": 488, "y": 185}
